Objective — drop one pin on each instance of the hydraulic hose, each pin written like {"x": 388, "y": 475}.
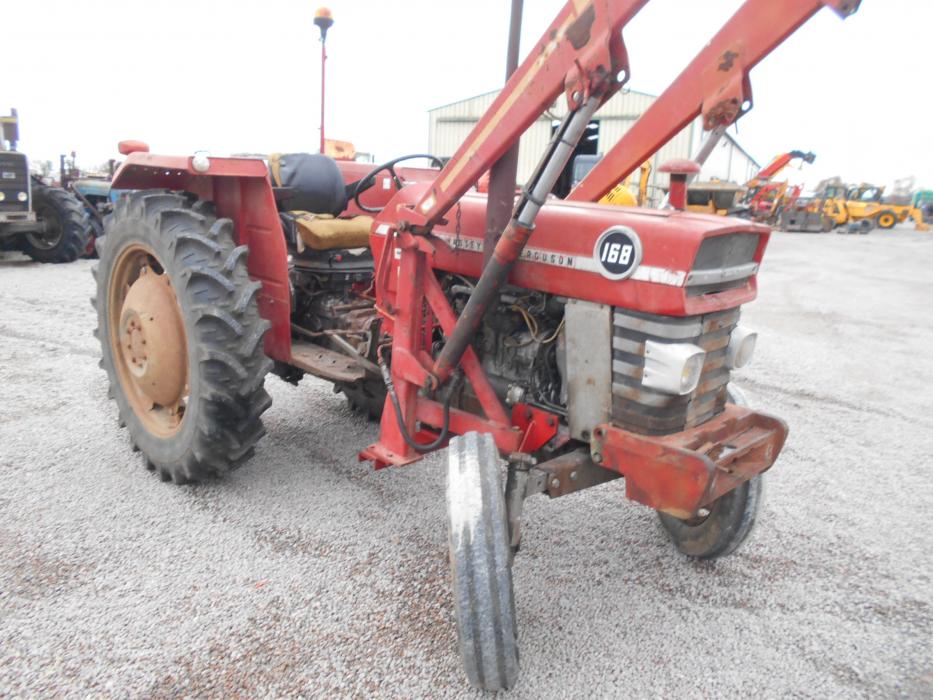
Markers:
{"x": 406, "y": 436}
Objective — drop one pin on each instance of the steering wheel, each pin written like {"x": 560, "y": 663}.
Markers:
{"x": 370, "y": 178}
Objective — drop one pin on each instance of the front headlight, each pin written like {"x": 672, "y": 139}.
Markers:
{"x": 741, "y": 347}
{"x": 2, "y": 196}
{"x": 674, "y": 368}
{"x": 22, "y": 196}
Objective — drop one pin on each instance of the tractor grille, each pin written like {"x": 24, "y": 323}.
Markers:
{"x": 14, "y": 178}
{"x": 723, "y": 262}
{"x": 650, "y": 412}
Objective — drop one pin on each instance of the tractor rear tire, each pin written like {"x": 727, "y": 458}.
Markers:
{"x": 67, "y": 227}
{"x": 886, "y": 220}
{"x": 96, "y": 232}
{"x": 365, "y": 397}
{"x": 480, "y": 563}
{"x": 723, "y": 525}
{"x": 181, "y": 336}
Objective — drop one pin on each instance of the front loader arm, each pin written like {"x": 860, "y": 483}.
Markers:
{"x": 715, "y": 84}
{"x": 581, "y": 54}
{"x": 780, "y": 162}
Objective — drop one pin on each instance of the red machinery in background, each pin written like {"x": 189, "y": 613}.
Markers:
{"x": 764, "y": 197}
{"x": 596, "y": 342}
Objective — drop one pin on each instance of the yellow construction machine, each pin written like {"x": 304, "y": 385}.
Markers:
{"x": 621, "y": 195}
{"x": 866, "y": 202}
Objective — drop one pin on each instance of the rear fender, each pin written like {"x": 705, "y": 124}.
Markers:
{"x": 240, "y": 190}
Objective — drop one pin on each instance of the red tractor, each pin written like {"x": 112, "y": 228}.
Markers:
{"x": 592, "y": 343}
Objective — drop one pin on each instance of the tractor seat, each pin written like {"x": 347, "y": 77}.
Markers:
{"x": 314, "y": 180}
{"x": 323, "y": 232}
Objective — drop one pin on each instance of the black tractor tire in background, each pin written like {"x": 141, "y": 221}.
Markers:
{"x": 480, "y": 563}
{"x": 226, "y": 365}
{"x": 722, "y": 525}
{"x": 68, "y": 227}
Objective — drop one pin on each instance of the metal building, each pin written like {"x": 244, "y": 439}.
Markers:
{"x": 450, "y": 124}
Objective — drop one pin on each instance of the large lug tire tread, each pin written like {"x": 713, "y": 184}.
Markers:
{"x": 731, "y": 516}
{"x": 366, "y": 398}
{"x": 75, "y": 223}
{"x": 480, "y": 561}
{"x": 226, "y": 362}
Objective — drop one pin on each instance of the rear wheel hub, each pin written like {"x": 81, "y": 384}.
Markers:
{"x": 152, "y": 339}
{"x": 148, "y": 340}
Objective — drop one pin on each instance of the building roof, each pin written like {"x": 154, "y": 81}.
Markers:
{"x": 495, "y": 92}
{"x": 739, "y": 146}
{"x": 624, "y": 91}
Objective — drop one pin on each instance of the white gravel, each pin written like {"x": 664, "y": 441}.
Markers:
{"x": 307, "y": 573}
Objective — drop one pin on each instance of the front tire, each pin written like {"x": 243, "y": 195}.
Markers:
{"x": 67, "y": 228}
{"x": 723, "y": 525}
{"x": 181, "y": 336}
{"x": 480, "y": 563}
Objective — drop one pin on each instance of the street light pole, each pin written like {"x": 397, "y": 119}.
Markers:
{"x": 324, "y": 20}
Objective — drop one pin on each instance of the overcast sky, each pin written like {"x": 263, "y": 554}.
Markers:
{"x": 243, "y": 75}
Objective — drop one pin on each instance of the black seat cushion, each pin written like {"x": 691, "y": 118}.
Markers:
{"x": 316, "y": 180}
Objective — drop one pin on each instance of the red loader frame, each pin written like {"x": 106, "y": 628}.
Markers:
{"x": 582, "y": 56}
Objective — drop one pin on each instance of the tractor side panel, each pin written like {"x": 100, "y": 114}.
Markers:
{"x": 249, "y": 202}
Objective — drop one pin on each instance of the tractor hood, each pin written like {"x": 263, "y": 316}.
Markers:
{"x": 679, "y": 263}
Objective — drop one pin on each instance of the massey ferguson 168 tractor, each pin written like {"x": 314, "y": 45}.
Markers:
{"x": 574, "y": 344}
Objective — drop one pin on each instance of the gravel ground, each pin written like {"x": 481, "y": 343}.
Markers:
{"x": 307, "y": 573}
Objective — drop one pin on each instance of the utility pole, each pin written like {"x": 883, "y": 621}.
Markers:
{"x": 324, "y": 20}
{"x": 501, "y": 196}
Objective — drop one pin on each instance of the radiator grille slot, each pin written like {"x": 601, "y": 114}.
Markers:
{"x": 722, "y": 263}
{"x": 650, "y": 412}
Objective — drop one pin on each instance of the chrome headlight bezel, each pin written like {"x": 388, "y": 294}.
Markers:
{"x": 741, "y": 347}
{"x": 673, "y": 368}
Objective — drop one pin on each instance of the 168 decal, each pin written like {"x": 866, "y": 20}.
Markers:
{"x": 617, "y": 252}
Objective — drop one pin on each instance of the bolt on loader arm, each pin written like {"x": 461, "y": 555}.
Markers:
{"x": 715, "y": 84}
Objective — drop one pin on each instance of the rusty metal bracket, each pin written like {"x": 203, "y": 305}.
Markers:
{"x": 679, "y": 473}
{"x": 727, "y": 90}
{"x": 522, "y": 480}
{"x": 572, "y": 472}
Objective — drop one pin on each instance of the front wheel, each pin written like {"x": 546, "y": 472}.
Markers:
{"x": 480, "y": 563}
{"x": 723, "y": 525}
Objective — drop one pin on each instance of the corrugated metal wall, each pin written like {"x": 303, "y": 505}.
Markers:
{"x": 729, "y": 162}
{"x": 449, "y": 125}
